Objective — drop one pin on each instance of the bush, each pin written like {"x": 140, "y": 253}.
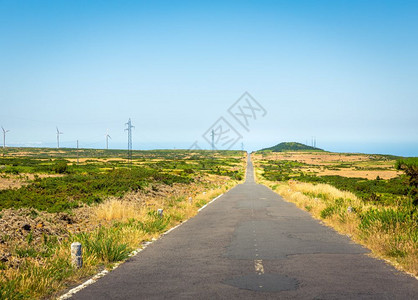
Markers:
{"x": 410, "y": 167}
{"x": 64, "y": 193}
{"x": 60, "y": 167}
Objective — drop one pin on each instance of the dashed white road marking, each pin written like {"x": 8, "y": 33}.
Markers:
{"x": 258, "y": 265}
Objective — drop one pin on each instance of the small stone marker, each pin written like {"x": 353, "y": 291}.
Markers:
{"x": 349, "y": 209}
{"x": 190, "y": 199}
{"x": 76, "y": 255}
{"x": 160, "y": 212}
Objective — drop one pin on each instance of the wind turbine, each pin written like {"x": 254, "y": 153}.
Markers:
{"x": 4, "y": 136}
{"x": 107, "y": 139}
{"x": 58, "y": 137}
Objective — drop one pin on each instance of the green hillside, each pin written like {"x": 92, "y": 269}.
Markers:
{"x": 291, "y": 146}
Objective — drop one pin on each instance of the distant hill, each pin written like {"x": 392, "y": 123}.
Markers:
{"x": 291, "y": 146}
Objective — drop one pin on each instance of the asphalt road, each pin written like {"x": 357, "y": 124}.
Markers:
{"x": 251, "y": 244}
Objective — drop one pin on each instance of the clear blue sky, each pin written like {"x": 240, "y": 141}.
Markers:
{"x": 345, "y": 72}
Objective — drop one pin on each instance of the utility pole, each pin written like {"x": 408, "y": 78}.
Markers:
{"x": 58, "y": 138}
{"x": 129, "y": 129}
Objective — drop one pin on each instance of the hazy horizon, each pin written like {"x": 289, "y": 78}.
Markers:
{"x": 391, "y": 149}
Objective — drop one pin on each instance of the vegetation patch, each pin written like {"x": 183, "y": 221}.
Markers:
{"x": 103, "y": 201}
{"x": 381, "y": 214}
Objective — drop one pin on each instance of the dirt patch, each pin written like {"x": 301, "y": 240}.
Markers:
{"x": 28, "y": 227}
{"x": 369, "y": 174}
{"x": 346, "y": 165}
{"x": 16, "y": 181}
{"x": 23, "y": 228}
{"x": 318, "y": 158}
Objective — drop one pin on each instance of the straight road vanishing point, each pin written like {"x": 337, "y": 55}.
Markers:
{"x": 251, "y": 244}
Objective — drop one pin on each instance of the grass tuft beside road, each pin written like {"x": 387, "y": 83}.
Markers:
{"x": 126, "y": 226}
{"x": 107, "y": 205}
{"x": 388, "y": 228}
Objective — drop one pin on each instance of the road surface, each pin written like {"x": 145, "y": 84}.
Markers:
{"x": 251, "y": 244}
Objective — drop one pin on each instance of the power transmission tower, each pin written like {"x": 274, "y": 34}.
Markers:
{"x": 107, "y": 140}
{"x": 58, "y": 138}
{"x": 129, "y": 129}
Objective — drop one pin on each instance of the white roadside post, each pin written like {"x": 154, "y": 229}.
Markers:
{"x": 160, "y": 212}
{"x": 76, "y": 255}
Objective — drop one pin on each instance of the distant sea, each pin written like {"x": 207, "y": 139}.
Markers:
{"x": 399, "y": 149}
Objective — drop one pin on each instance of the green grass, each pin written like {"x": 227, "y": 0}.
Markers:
{"x": 376, "y": 191}
{"x": 64, "y": 193}
{"x": 92, "y": 181}
{"x": 45, "y": 263}
{"x": 104, "y": 244}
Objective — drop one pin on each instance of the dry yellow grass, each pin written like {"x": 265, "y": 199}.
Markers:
{"x": 320, "y": 164}
{"x": 350, "y": 172}
{"x": 397, "y": 245}
{"x": 117, "y": 209}
{"x": 381, "y": 242}
{"x": 10, "y": 181}
{"x": 297, "y": 193}
{"x": 41, "y": 276}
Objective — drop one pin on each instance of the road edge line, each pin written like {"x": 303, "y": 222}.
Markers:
{"x": 103, "y": 273}
{"x": 214, "y": 199}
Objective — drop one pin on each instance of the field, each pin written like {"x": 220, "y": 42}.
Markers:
{"x": 363, "y": 196}
{"x": 50, "y": 198}
{"x": 340, "y": 164}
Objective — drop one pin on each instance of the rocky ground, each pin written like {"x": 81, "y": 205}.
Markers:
{"x": 27, "y": 228}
